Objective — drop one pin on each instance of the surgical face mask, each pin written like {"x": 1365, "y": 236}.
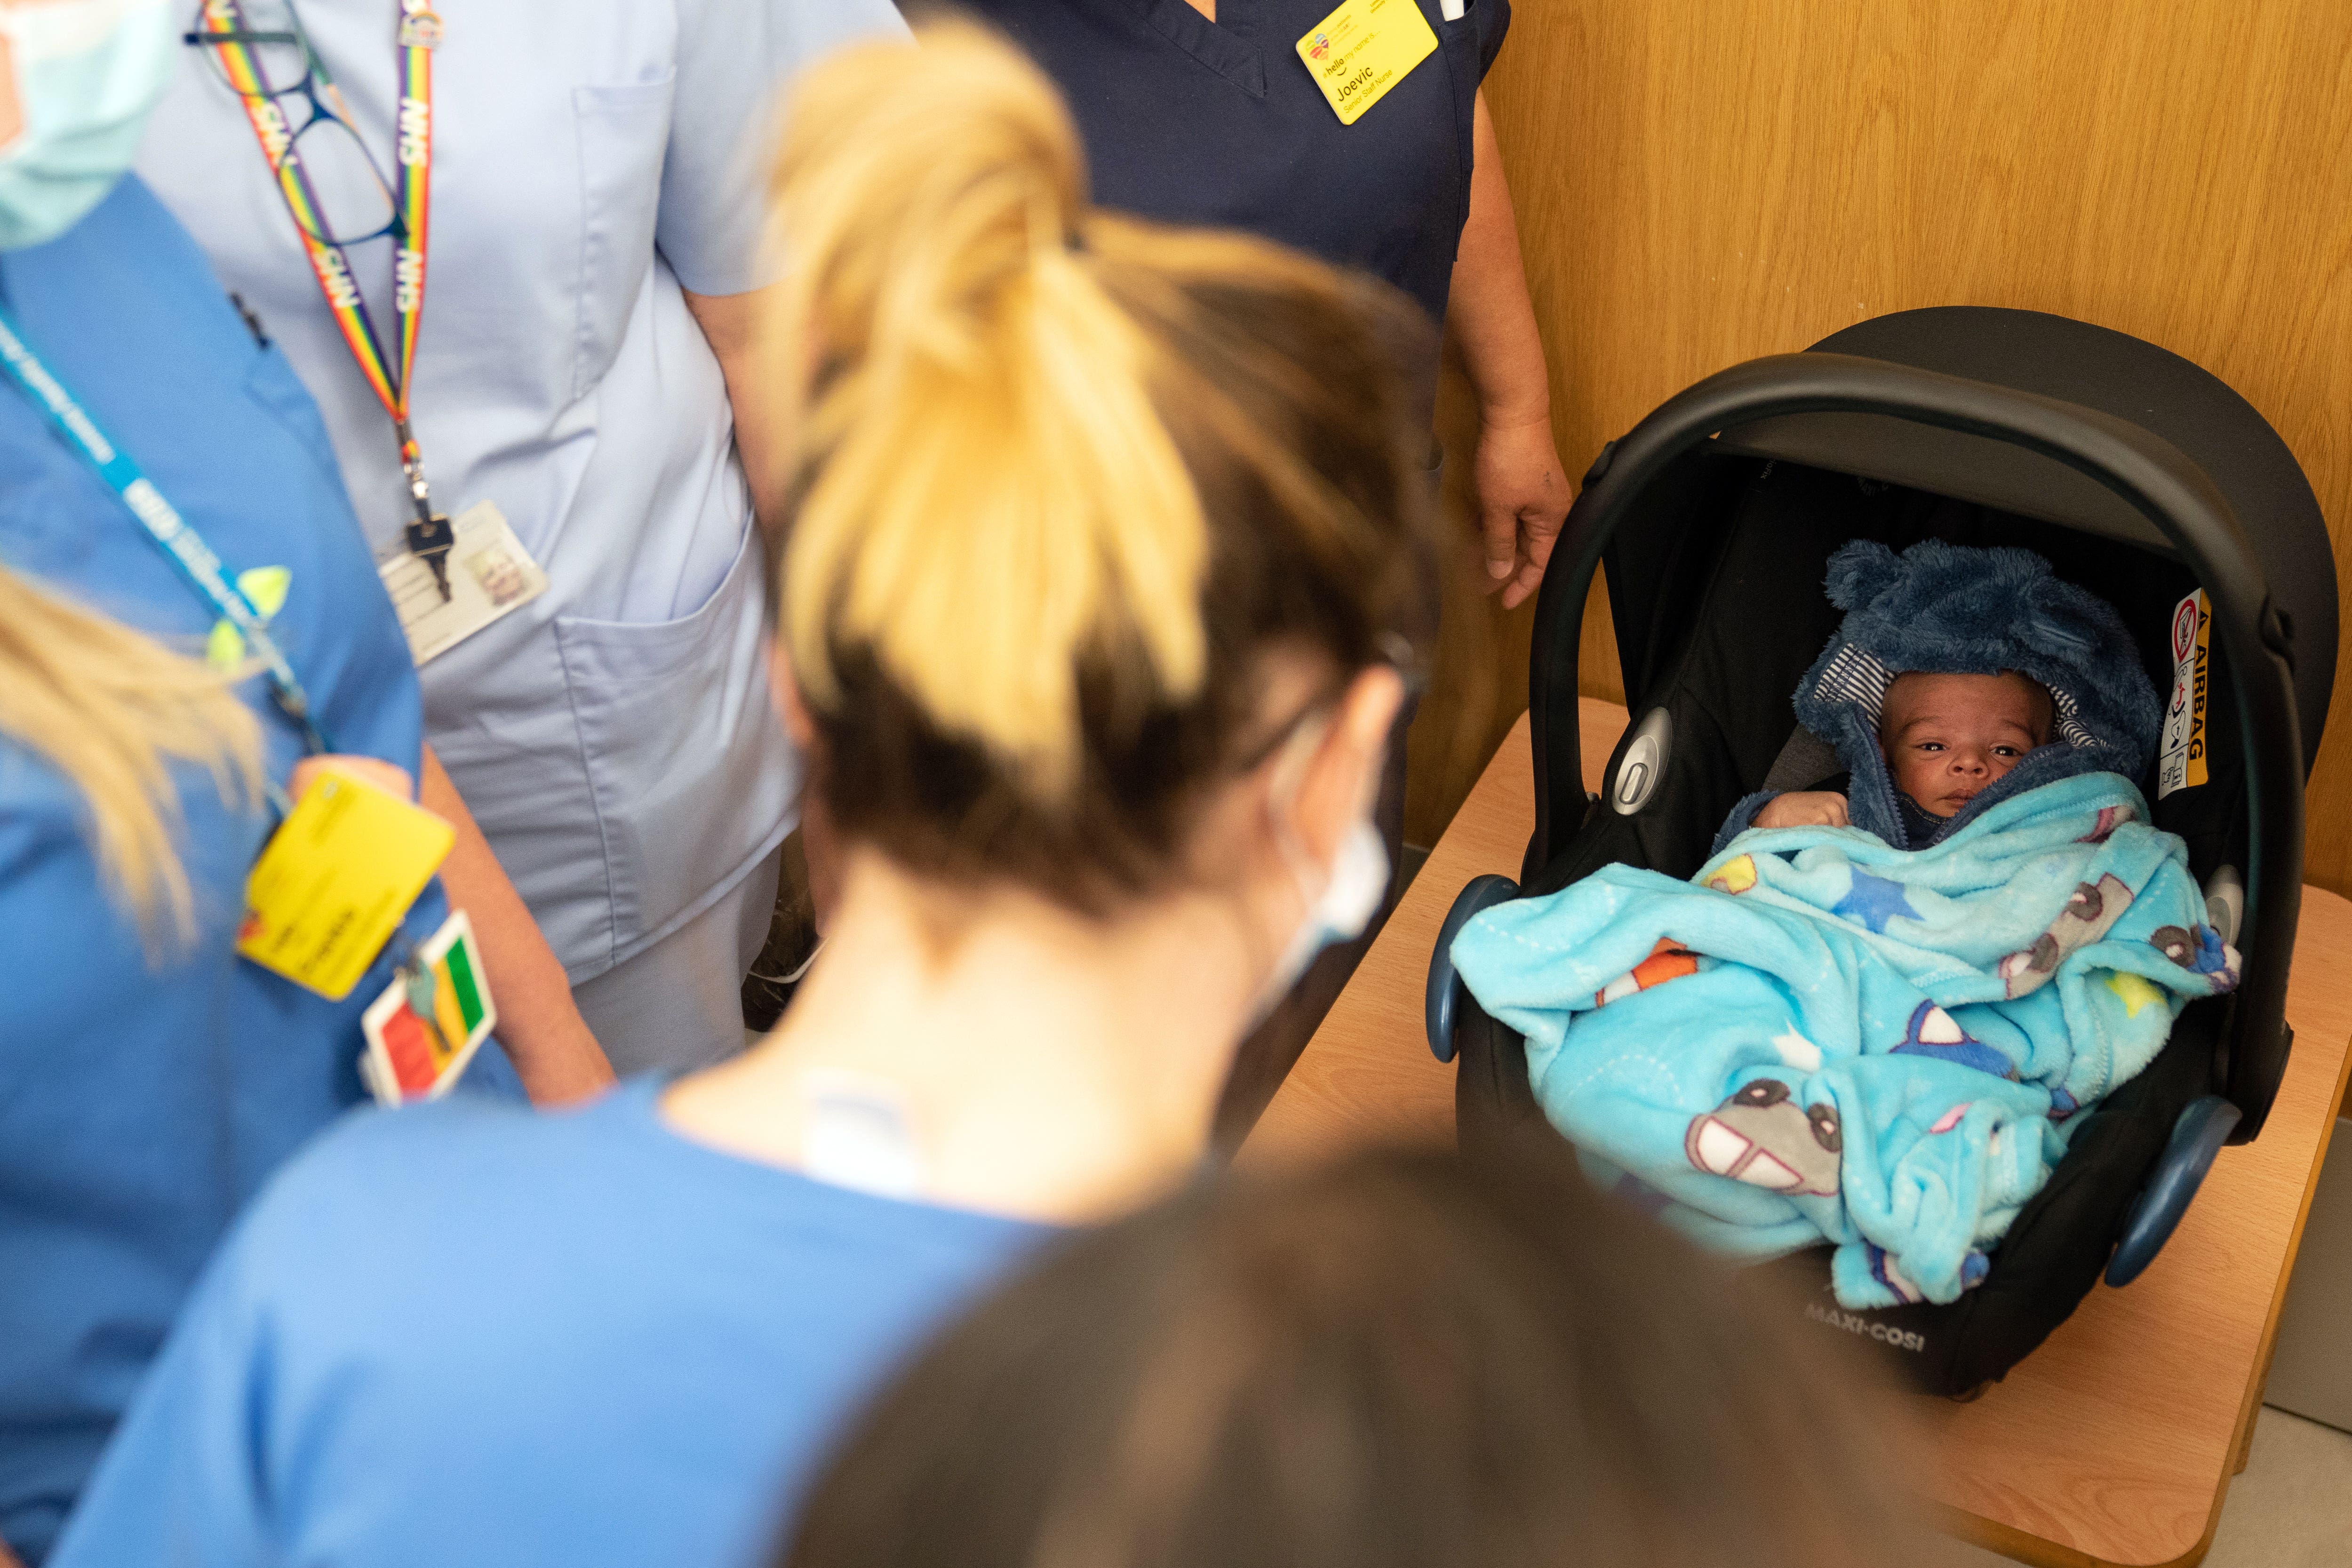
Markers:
{"x": 1351, "y": 896}
{"x": 87, "y": 73}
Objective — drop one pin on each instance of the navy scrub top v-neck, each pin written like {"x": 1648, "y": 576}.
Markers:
{"x": 1187, "y": 121}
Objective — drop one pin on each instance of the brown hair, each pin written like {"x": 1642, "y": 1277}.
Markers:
{"x": 1061, "y": 477}
{"x": 111, "y": 709}
{"x": 1406, "y": 1362}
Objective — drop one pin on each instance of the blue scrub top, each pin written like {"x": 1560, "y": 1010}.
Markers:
{"x": 1192, "y": 122}
{"x": 460, "y": 1335}
{"x": 613, "y": 737}
{"x": 140, "y": 1103}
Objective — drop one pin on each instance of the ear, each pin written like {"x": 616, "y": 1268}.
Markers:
{"x": 784, "y": 691}
{"x": 1343, "y": 777}
{"x": 1859, "y": 571}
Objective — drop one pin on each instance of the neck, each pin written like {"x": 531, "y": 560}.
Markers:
{"x": 1051, "y": 1067}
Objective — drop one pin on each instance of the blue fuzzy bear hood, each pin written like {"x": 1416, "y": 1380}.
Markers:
{"x": 1955, "y": 610}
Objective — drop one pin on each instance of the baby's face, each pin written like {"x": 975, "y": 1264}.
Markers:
{"x": 1947, "y": 736}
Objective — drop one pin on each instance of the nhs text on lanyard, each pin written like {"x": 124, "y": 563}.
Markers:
{"x": 234, "y": 45}
{"x": 162, "y": 520}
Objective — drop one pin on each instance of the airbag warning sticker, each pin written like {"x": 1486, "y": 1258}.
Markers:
{"x": 2181, "y": 762}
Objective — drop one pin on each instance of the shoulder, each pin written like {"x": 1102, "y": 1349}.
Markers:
{"x": 408, "y": 1190}
{"x": 1494, "y": 20}
{"x": 594, "y": 1216}
{"x": 130, "y": 245}
{"x": 383, "y": 1198}
{"x": 490, "y": 1147}
{"x": 130, "y": 217}
{"x": 799, "y": 30}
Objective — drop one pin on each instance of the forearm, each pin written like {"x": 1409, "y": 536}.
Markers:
{"x": 728, "y": 322}
{"x": 1489, "y": 311}
{"x": 540, "y": 1026}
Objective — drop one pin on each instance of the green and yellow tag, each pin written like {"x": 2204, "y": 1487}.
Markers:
{"x": 425, "y": 1027}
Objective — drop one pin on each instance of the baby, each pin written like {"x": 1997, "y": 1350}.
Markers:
{"x": 1946, "y": 738}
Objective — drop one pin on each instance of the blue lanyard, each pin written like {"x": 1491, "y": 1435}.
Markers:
{"x": 162, "y": 520}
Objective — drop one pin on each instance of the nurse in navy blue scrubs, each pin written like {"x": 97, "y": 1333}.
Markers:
{"x": 1203, "y": 112}
{"x": 150, "y": 1079}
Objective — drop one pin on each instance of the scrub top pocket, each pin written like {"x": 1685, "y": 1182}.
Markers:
{"x": 662, "y": 708}
{"x": 623, "y": 133}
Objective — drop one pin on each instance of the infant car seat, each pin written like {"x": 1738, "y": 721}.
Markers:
{"x": 2137, "y": 476}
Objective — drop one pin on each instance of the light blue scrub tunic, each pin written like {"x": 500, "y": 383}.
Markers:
{"x": 140, "y": 1103}
{"x": 614, "y": 738}
{"x": 460, "y": 1335}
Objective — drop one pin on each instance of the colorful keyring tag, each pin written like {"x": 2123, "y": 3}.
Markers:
{"x": 335, "y": 879}
{"x": 427, "y": 1024}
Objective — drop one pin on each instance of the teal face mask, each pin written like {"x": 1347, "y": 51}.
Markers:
{"x": 88, "y": 72}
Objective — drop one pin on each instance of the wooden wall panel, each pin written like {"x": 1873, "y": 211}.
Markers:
{"x": 1700, "y": 181}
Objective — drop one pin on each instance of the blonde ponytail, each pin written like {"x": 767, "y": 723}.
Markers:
{"x": 1060, "y": 479}
{"x": 988, "y": 492}
{"x": 109, "y": 709}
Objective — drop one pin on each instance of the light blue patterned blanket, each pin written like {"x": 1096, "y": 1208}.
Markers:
{"x": 1821, "y": 1037}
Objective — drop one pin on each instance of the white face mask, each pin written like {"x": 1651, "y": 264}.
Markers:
{"x": 88, "y": 72}
{"x": 1351, "y": 896}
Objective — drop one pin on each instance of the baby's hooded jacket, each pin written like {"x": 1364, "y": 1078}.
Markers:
{"x": 1957, "y": 609}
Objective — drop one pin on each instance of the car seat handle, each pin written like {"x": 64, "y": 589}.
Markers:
{"x": 2203, "y": 1127}
{"x": 1443, "y": 1004}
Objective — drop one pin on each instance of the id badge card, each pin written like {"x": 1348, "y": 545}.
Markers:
{"x": 492, "y": 575}
{"x": 424, "y": 1029}
{"x": 1364, "y": 48}
{"x": 335, "y": 879}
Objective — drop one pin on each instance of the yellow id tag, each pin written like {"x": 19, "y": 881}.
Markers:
{"x": 1362, "y": 49}
{"x": 335, "y": 879}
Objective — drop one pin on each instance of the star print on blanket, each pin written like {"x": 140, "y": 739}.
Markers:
{"x": 1874, "y": 900}
{"x": 1821, "y": 1038}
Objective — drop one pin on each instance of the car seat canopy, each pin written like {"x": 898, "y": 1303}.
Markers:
{"x": 1960, "y": 610}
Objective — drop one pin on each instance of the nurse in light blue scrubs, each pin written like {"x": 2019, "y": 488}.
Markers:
{"x": 1103, "y": 539}
{"x": 594, "y": 213}
{"x": 149, "y": 1081}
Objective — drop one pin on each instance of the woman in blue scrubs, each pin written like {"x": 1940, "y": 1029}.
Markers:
{"x": 1204, "y": 111}
{"x": 150, "y": 1079}
{"x": 1102, "y": 534}
{"x": 587, "y": 260}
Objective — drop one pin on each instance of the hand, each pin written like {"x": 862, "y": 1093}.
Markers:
{"x": 553, "y": 1051}
{"x": 375, "y": 770}
{"x": 1803, "y": 808}
{"x": 564, "y": 1065}
{"x": 1523, "y": 498}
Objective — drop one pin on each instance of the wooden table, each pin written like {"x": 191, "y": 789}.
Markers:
{"x": 2115, "y": 1442}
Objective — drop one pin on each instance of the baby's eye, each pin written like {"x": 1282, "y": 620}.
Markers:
{"x": 2004, "y": 751}
{"x": 1931, "y": 746}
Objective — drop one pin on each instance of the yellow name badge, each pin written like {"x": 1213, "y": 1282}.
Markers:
{"x": 1362, "y": 49}
{"x": 334, "y": 881}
